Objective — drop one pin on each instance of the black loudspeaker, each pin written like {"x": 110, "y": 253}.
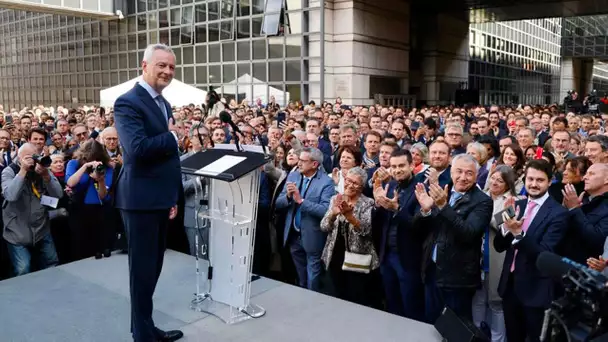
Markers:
{"x": 467, "y": 97}
{"x": 456, "y": 329}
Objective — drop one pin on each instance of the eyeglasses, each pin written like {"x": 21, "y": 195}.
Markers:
{"x": 350, "y": 182}
{"x": 80, "y": 134}
{"x": 111, "y": 138}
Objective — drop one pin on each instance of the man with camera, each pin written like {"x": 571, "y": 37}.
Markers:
{"x": 29, "y": 189}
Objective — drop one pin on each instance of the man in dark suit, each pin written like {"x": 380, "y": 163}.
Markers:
{"x": 400, "y": 248}
{"x": 539, "y": 225}
{"x": 588, "y": 219}
{"x": 306, "y": 195}
{"x": 439, "y": 158}
{"x": 148, "y": 185}
{"x": 454, "y": 222}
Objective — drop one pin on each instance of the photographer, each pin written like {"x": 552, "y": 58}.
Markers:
{"x": 89, "y": 176}
{"x": 26, "y": 183}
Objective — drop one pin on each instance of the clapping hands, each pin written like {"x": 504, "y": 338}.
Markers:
{"x": 571, "y": 199}
{"x": 382, "y": 200}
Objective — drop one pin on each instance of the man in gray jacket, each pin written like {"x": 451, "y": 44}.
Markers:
{"x": 25, "y": 186}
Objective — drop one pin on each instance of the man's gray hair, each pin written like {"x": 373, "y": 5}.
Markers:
{"x": 454, "y": 126}
{"x": 153, "y": 47}
{"x": 531, "y": 129}
{"x": 347, "y": 126}
{"x": 466, "y": 158}
{"x": 359, "y": 172}
{"x": 315, "y": 154}
{"x": 26, "y": 146}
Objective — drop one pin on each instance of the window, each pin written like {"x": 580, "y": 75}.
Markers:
{"x": 272, "y": 18}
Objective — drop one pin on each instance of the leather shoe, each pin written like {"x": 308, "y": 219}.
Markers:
{"x": 169, "y": 336}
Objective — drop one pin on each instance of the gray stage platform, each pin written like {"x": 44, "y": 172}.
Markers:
{"x": 88, "y": 301}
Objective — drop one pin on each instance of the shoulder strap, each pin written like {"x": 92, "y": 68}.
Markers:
{"x": 16, "y": 168}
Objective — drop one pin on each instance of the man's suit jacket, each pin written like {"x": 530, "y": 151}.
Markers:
{"x": 409, "y": 241}
{"x": 587, "y": 230}
{"x": 325, "y": 147}
{"x": 150, "y": 178}
{"x": 313, "y": 208}
{"x": 457, "y": 231}
{"x": 445, "y": 178}
{"x": 542, "y": 138}
{"x": 545, "y": 232}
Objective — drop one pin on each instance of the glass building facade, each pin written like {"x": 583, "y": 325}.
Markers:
{"x": 516, "y": 62}
{"x": 259, "y": 47}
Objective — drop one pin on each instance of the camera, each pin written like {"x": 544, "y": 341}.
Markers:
{"x": 44, "y": 161}
{"x": 580, "y": 314}
{"x": 100, "y": 169}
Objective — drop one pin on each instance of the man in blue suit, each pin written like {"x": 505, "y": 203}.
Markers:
{"x": 306, "y": 195}
{"x": 539, "y": 225}
{"x": 148, "y": 184}
{"x": 400, "y": 248}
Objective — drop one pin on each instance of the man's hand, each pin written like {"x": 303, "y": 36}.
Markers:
{"x": 513, "y": 224}
{"x": 571, "y": 200}
{"x": 597, "y": 264}
{"x": 382, "y": 174}
{"x": 432, "y": 176}
{"x": 27, "y": 164}
{"x": 424, "y": 199}
{"x": 297, "y": 197}
{"x": 42, "y": 171}
{"x": 172, "y": 127}
{"x": 439, "y": 195}
{"x": 291, "y": 188}
{"x": 392, "y": 204}
{"x": 173, "y": 212}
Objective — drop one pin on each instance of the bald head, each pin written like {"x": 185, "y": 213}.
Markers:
{"x": 26, "y": 149}
{"x": 110, "y": 138}
{"x": 596, "y": 179}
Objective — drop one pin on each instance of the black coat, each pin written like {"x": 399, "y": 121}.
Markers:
{"x": 531, "y": 286}
{"x": 587, "y": 230}
{"x": 458, "y": 233}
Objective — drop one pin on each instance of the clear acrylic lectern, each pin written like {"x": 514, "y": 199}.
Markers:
{"x": 227, "y": 199}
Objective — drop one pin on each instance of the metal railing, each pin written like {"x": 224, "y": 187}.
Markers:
{"x": 407, "y": 101}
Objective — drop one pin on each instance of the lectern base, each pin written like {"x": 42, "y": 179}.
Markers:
{"x": 226, "y": 313}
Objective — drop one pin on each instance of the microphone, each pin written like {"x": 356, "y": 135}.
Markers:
{"x": 226, "y": 118}
{"x": 556, "y": 266}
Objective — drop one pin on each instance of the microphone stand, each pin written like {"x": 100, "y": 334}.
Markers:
{"x": 236, "y": 141}
{"x": 263, "y": 144}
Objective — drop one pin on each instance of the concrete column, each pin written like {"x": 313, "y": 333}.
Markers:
{"x": 576, "y": 74}
{"x": 363, "y": 39}
{"x": 445, "y": 57}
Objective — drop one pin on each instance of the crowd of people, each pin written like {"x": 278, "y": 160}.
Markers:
{"x": 397, "y": 209}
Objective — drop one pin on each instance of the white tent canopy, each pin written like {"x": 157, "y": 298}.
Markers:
{"x": 259, "y": 90}
{"x": 177, "y": 93}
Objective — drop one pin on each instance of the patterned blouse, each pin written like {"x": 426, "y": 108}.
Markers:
{"x": 359, "y": 240}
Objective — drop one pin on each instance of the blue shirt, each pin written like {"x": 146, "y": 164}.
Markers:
{"x": 91, "y": 197}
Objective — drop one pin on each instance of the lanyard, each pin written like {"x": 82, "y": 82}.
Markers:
{"x": 35, "y": 191}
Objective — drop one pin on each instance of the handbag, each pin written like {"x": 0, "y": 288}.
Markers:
{"x": 354, "y": 262}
